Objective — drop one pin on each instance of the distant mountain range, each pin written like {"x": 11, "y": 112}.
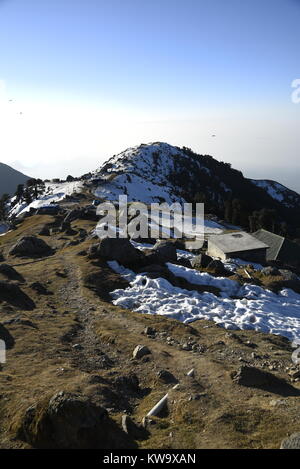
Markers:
{"x": 9, "y": 179}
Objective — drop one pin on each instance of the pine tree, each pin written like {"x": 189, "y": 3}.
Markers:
{"x": 19, "y": 192}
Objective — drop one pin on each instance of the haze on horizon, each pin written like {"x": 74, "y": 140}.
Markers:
{"x": 83, "y": 80}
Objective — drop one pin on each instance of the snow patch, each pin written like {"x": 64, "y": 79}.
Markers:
{"x": 256, "y": 308}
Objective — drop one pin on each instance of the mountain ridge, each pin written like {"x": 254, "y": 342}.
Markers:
{"x": 159, "y": 172}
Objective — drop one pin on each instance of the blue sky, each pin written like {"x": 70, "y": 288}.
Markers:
{"x": 94, "y": 77}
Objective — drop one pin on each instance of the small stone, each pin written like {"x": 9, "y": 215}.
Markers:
{"x": 292, "y": 442}
{"x": 149, "y": 330}
{"x": 166, "y": 376}
{"x": 277, "y": 402}
{"x": 126, "y": 423}
{"x": 77, "y": 347}
{"x": 186, "y": 346}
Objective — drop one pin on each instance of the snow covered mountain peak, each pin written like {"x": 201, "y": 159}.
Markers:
{"x": 143, "y": 173}
{"x": 156, "y": 157}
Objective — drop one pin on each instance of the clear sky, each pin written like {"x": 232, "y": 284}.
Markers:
{"x": 81, "y": 80}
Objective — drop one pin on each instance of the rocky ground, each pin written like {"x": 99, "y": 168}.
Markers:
{"x": 75, "y": 376}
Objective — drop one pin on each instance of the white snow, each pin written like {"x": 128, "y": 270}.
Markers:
{"x": 273, "y": 189}
{"x": 234, "y": 264}
{"x": 54, "y": 192}
{"x": 137, "y": 190}
{"x": 255, "y": 308}
{"x": 278, "y": 192}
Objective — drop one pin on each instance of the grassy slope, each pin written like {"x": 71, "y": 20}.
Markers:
{"x": 207, "y": 411}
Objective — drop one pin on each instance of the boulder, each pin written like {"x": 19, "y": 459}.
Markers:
{"x": 166, "y": 376}
{"x": 31, "y": 246}
{"x": 292, "y": 442}
{"x": 140, "y": 351}
{"x": 166, "y": 250}
{"x": 201, "y": 261}
{"x": 70, "y": 421}
{"x": 117, "y": 249}
{"x": 250, "y": 376}
{"x": 217, "y": 268}
{"x": 288, "y": 280}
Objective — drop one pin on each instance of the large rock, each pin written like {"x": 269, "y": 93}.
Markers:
{"x": 292, "y": 442}
{"x": 70, "y": 421}
{"x": 166, "y": 250}
{"x": 166, "y": 376}
{"x": 254, "y": 377}
{"x": 117, "y": 249}
{"x": 201, "y": 261}
{"x": 251, "y": 376}
{"x": 31, "y": 246}
{"x": 217, "y": 268}
{"x": 288, "y": 280}
{"x": 140, "y": 351}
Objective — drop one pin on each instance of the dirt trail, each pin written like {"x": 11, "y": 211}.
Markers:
{"x": 87, "y": 351}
